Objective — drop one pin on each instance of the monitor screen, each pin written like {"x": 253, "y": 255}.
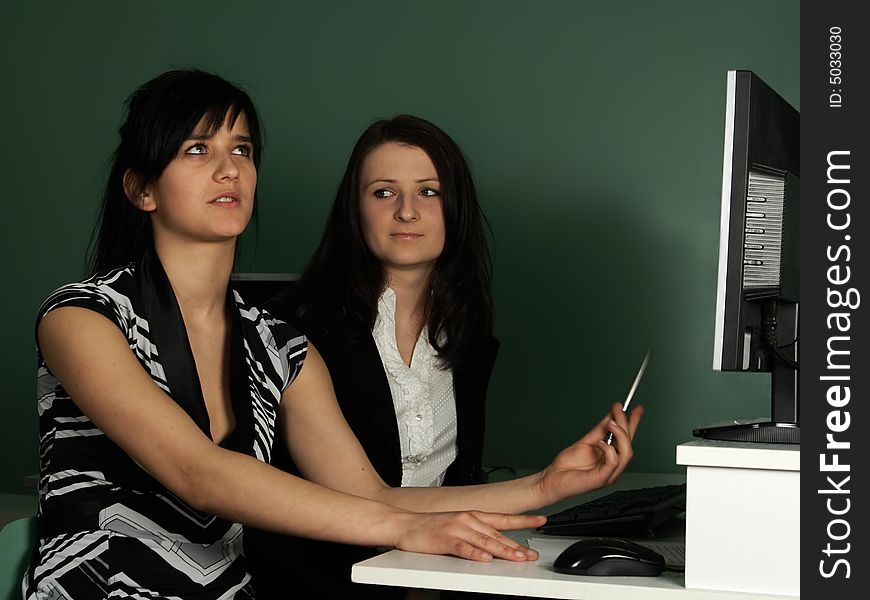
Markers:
{"x": 756, "y": 326}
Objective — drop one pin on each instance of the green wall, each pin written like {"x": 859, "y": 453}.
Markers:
{"x": 594, "y": 130}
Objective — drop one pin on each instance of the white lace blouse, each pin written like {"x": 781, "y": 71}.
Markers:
{"x": 423, "y": 398}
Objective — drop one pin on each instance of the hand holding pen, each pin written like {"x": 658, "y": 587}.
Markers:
{"x": 599, "y": 457}
{"x": 632, "y": 390}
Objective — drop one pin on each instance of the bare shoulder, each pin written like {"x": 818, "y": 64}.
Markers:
{"x": 87, "y": 353}
{"x": 72, "y": 325}
{"x": 313, "y": 379}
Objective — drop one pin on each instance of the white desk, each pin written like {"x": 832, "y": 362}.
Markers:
{"x": 743, "y": 516}
{"x": 536, "y": 579}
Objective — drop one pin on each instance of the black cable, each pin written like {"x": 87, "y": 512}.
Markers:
{"x": 487, "y": 471}
{"x": 769, "y": 326}
{"x": 791, "y": 343}
{"x": 785, "y": 359}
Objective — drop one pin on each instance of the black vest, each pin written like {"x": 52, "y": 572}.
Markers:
{"x": 293, "y": 567}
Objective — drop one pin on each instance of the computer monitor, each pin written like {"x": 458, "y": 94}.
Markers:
{"x": 757, "y": 302}
{"x": 263, "y": 289}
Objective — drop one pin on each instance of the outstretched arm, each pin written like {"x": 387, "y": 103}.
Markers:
{"x": 325, "y": 449}
{"x": 92, "y": 359}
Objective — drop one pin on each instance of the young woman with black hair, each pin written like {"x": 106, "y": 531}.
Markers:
{"x": 397, "y": 301}
{"x": 160, "y": 388}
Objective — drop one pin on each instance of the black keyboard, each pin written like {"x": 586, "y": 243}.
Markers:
{"x": 629, "y": 513}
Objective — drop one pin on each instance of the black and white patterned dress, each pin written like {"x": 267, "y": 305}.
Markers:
{"x": 106, "y": 528}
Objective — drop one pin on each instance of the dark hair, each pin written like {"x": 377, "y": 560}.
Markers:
{"x": 161, "y": 114}
{"x": 344, "y": 280}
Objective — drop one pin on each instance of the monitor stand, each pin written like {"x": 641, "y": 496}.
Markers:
{"x": 784, "y": 426}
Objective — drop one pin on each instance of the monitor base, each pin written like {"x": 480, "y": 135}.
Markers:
{"x": 768, "y": 433}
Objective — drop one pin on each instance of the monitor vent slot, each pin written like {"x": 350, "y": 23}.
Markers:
{"x": 762, "y": 240}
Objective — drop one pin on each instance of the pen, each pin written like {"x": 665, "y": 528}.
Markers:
{"x": 634, "y": 384}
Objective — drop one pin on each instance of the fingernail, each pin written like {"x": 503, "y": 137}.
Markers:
{"x": 487, "y": 556}
{"x": 521, "y": 555}
{"x": 612, "y": 423}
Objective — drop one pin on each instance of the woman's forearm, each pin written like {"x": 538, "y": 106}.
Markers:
{"x": 515, "y": 496}
{"x": 242, "y": 489}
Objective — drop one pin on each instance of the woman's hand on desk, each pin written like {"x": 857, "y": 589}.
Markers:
{"x": 473, "y": 535}
{"x": 590, "y": 463}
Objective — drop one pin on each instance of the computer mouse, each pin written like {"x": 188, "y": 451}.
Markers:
{"x": 609, "y": 557}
